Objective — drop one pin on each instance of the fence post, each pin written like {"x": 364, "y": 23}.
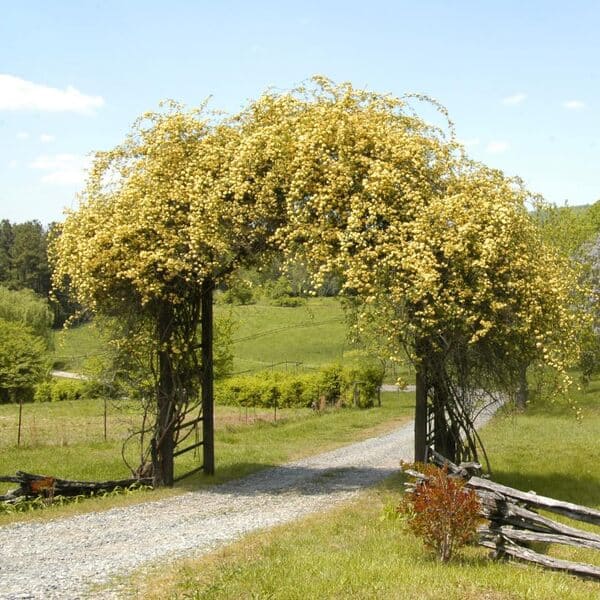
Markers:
{"x": 20, "y": 419}
{"x": 105, "y": 415}
{"x": 421, "y": 416}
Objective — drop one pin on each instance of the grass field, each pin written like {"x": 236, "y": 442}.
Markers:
{"x": 66, "y": 439}
{"x": 354, "y": 552}
{"x": 74, "y": 346}
{"x": 265, "y": 337}
{"x": 313, "y": 334}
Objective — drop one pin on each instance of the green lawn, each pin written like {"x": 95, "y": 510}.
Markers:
{"x": 312, "y": 334}
{"x": 353, "y": 552}
{"x": 548, "y": 450}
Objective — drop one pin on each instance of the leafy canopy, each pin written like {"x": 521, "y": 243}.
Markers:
{"x": 350, "y": 181}
{"x": 22, "y": 359}
{"x": 27, "y": 308}
{"x": 442, "y": 248}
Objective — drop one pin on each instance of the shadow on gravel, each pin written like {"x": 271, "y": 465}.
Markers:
{"x": 302, "y": 481}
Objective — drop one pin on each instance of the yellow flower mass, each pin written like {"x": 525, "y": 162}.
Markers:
{"x": 352, "y": 182}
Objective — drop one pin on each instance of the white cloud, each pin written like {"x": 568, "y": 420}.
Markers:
{"x": 514, "y": 99}
{"x": 19, "y": 94}
{"x": 497, "y": 147}
{"x": 13, "y": 164}
{"x": 574, "y": 104}
{"x": 46, "y": 138}
{"x": 62, "y": 169}
{"x": 22, "y": 135}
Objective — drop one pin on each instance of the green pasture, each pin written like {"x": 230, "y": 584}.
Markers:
{"x": 265, "y": 337}
{"x": 76, "y": 346}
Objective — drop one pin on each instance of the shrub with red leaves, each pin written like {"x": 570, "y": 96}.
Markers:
{"x": 441, "y": 511}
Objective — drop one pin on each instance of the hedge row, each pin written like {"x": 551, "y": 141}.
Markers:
{"x": 57, "y": 390}
{"x": 358, "y": 385}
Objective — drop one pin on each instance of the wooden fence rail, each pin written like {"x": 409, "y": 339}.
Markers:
{"x": 513, "y": 520}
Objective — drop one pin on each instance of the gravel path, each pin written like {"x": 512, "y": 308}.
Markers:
{"x": 68, "y": 375}
{"x": 390, "y": 387}
{"x": 65, "y": 557}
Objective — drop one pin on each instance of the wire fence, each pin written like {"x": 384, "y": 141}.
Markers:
{"x": 287, "y": 366}
{"x": 66, "y": 423}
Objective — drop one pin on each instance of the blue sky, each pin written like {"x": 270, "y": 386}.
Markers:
{"x": 521, "y": 79}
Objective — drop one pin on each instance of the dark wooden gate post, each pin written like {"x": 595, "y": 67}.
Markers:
{"x": 421, "y": 412}
{"x": 164, "y": 444}
{"x": 208, "y": 437}
{"x": 421, "y": 416}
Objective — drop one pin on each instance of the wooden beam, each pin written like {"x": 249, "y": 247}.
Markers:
{"x": 567, "y": 509}
{"x": 506, "y": 547}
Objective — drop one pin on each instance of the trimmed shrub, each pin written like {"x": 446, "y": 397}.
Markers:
{"x": 362, "y": 383}
{"x": 67, "y": 389}
{"x": 331, "y": 382}
{"x": 239, "y": 292}
{"x": 280, "y": 293}
{"x": 288, "y": 301}
{"x": 43, "y": 392}
{"x": 332, "y": 385}
{"x": 58, "y": 390}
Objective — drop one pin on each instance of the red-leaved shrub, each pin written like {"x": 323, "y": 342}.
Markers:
{"x": 441, "y": 511}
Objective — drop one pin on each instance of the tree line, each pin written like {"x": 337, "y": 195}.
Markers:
{"x": 28, "y": 310}
{"x": 24, "y": 265}
{"x": 24, "y": 256}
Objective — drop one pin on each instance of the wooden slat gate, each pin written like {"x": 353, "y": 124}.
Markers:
{"x": 197, "y": 444}
{"x": 206, "y": 416}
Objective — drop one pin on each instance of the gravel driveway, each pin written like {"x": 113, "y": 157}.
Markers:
{"x": 65, "y": 557}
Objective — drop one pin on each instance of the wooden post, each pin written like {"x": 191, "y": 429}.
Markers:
{"x": 421, "y": 391}
{"x": 164, "y": 443}
{"x": 20, "y": 419}
{"x": 420, "y": 416}
{"x": 105, "y": 416}
{"x": 208, "y": 436}
{"x": 444, "y": 441}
